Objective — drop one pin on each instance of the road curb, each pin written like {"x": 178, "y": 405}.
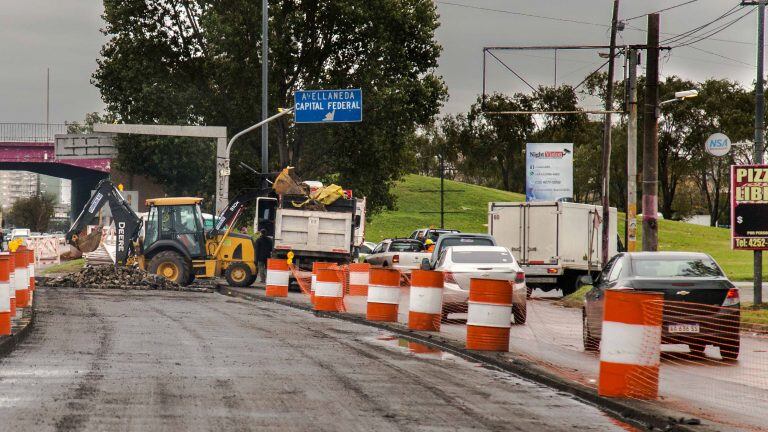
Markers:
{"x": 638, "y": 413}
{"x": 20, "y": 332}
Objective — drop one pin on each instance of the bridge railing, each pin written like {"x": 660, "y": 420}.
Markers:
{"x": 30, "y": 132}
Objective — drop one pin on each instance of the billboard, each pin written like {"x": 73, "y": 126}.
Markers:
{"x": 549, "y": 171}
{"x": 749, "y": 207}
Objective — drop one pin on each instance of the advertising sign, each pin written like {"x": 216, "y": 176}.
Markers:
{"x": 717, "y": 144}
{"x": 549, "y": 171}
{"x": 749, "y": 207}
{"x": 328, "y": 106}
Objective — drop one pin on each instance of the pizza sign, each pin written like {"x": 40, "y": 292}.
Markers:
{"x": 749, "y": 207}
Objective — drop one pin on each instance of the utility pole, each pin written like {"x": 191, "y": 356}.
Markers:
{"x": 607, "y": 136}
{"x": 631, "y": 222}
{"x": 759, "y": 134}
{"x": 651, "y": 139}
{"x": 265, "y": 85}
{"x": 442, "y": 190}
{"x": 47, "y": 102}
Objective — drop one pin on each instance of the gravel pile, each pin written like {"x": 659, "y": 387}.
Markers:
{"x": 111, "y": 277}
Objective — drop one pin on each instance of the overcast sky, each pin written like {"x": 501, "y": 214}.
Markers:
{"x": 64, "y": 35}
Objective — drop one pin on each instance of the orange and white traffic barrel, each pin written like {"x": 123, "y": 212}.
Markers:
{"x": 31, "y": 272}
{"x": 489, "y": 314}
{"x": 12, "y": 277}
{"x": 359, "y": 277}
{"x": 328, "y": 290}
{"x": 22, "y": 277}
{"x": 383, "y": 295}
{"x": 5, "y": 295}
{"x": 630, "y": 348}
{"x": 316, "y": 266}
{"x": 426, "y": 300}
{"x": 278, "y": 277}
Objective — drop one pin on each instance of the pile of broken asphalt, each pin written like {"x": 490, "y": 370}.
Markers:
{"x": 111, "y": 277}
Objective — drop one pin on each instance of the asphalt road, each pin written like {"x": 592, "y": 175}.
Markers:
{"x": 114, "y": 360}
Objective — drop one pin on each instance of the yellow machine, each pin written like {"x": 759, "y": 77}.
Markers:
{"x": 175, "y": 244}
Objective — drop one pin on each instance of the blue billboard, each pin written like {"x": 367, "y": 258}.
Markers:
{"x": 328, "y": 106}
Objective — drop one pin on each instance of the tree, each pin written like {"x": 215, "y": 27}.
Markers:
{"x": 197, "y": 62}
{"x": 34, "y": 212}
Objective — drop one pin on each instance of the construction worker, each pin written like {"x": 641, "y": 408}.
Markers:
{"x": 264, "y": 247}
{"x": 430, "y": 245}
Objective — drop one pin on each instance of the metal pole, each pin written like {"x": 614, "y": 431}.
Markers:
{"x": 607, "y": 137}
{"x": 631, "y": 222}
{"x": 759, "y": 134}
{"x": 651, "y": 139}
{"x": 442, "y": 192}
{"x": 47, "y": 102}
{"x": 264, "y": 84}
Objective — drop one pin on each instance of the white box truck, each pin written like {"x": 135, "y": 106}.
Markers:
{"x": 554, "y": 242}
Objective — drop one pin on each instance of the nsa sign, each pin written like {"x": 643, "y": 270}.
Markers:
{"x": 328, "y": 106}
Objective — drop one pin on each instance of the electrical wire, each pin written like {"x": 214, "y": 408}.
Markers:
{"x": 510, "y": 12}
{"x": 662, "y": 10}
{"x": 715, "y": 30}
{"x": 719, "y": 55}
{"x": 692, "y": 31}
{"x": 632, "y": 27}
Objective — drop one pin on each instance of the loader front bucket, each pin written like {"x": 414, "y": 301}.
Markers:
{"x": 87, "y": 243}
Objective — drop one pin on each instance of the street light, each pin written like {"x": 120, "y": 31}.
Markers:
{"x": 682, "y": 95}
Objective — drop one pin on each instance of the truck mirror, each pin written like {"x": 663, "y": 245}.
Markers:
{"x": 357, "y": 221}
{"x": 425, "y": 264}
{"x": 586, "y": 280}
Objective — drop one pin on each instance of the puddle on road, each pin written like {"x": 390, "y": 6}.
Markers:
{"x": 416, "y": 348}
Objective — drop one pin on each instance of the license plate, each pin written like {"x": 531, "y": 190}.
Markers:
{"x": 541, "y": 279}
{"x": 683, "y": 328}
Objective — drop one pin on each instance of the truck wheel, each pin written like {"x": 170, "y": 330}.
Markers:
{"x": 520, "y": 313}
{"x": 569, "y": 284}
{"x": 172, "y": 266}
{"x": 239, "y": 275}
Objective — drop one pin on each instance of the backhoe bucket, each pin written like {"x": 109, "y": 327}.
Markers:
{"x": 87, "y": 243}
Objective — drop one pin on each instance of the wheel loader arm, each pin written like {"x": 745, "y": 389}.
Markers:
{"x": 127, "y": 222}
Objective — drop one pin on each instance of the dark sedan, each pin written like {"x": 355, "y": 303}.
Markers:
{"x": 701, "y": 306}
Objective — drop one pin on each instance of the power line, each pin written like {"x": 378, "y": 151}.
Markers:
{"x": 662, "y": 10}
{"x": 631, "y": 27}
{"x": 719, "y": 55}
{"x": 690, "y": 32}
{"x": 521, "y": 14}
{"x": 716, "y": 30}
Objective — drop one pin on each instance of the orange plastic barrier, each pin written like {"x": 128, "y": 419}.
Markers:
{"x": 328, "y": 291}
{"x": 31, "y": 271}
{"x": 426, "y": 300}
{"x": 5, "y": 295}
{"x": 278, "y": 277}
{"x": 383, "y": 295}
{"x": 12, "y": 277}
{"x": 316, "y": 266}
{"x": 359, "y": 278}
{"x": 631, "y": 345}
{"x": 489, "y": 315}
{"x": 22, "y": 277}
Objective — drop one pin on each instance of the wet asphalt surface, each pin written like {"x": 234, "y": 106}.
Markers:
{"x": 133, "y": 360}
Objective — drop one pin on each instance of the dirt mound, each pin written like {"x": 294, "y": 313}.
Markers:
{"x": 111, "y": 277}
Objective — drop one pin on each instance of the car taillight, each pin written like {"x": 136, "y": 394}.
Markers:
{"x": 732, "y": 298}
{"x": 448, "y": 278}
{"x": 520, "y": 278}
{"x": 396, "y": 259}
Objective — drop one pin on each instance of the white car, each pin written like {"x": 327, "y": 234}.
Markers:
{"x": 459, "y": 264}
{"x": 20, "y": 233}
{"x": 400, "y": 254}
{"x": 365, "y": 249}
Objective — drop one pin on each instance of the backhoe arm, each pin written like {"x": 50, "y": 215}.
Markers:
{"x": 127, "y": 222}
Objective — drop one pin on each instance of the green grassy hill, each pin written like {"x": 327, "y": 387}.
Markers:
{"x": 468, "y": 205}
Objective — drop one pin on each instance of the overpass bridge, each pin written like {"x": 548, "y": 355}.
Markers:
{"x": 48, "y": 149}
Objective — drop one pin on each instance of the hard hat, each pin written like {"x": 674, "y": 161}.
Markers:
{"x": 429, "y": 242}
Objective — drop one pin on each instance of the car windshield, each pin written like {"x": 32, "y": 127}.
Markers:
{"x": 405, "y": 247}
{"x": 489, "y": 257}
{"x": 672, "y": 267}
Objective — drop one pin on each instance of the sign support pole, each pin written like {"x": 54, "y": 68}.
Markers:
{"x": 759, "y": 135}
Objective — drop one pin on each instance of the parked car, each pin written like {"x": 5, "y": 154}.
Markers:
{"x": 458, "y": 239}
{"x": 431, "y": 233}
{"x": 402, "y": 254}
{"x": 364, "y": 250}
{"x": 701, "y": 306}
{"x": 460, "y": 264}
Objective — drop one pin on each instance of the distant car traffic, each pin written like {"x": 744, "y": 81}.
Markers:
{"x": 364, "y": 250}
{"x": 460, "y": 264}
{"x": 701, "y": 306}
{"x": 458, "y": 239}
{"x": 20, "y": 233}
{"x": 401, "y": 254}
{"x": 433, "y": 234}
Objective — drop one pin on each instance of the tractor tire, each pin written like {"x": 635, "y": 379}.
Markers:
{"x": 239, "y": 275}
{"x": 172, "y": 266}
